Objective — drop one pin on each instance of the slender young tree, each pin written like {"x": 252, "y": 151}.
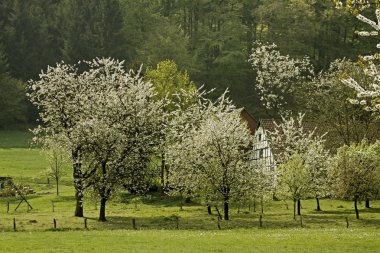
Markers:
{"x": 58, "y": 159}
{"x": 294, "y": 180}
{"x": 317, "y": 161}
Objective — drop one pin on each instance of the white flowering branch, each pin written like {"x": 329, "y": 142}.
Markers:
{"x": 367, "y": 95}
{"x": 278, "y": 76}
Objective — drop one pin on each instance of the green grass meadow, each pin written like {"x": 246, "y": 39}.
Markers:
{"x": 155, "y": 217}
{"x": 289, "y": 240}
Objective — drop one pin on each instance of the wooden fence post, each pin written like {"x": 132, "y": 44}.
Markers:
{"x": 55, "y": 223}
{"x": 85, "y": 223}
{"x": 261, "y": 221}
{"x": 177, "y": 222}
{"x": 8, "y": 207}
{"x": 134, "y": 223}
{"x": 347, "y": 221}
{"x": 14, "y": 224}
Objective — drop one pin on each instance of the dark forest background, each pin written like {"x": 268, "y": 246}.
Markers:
{"x": 210, "y": 39}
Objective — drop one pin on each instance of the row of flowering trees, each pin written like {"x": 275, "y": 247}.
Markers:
{"x": 306, "y": 169}
{"x": 115, "y": 124}
{"x": 334, "y": 98}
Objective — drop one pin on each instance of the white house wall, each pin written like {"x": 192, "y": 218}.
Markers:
{"x": 262, "y": 152}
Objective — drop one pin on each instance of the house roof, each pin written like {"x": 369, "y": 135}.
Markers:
{"x": 251, "y": 121}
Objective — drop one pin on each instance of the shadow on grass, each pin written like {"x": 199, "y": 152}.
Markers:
{"x": 334, "y": 212}
{"x": 63, "y": 198}
{"x": 170, "y": 223}
{"x": 370, "y": 210}
{"x": 156, "y": 199}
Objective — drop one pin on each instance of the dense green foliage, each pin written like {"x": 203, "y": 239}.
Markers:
{"x": 210, "y": 39}
{"x": 355, "y": 173}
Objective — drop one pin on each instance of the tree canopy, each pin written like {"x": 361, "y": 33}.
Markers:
{"x": 212, "y": 40}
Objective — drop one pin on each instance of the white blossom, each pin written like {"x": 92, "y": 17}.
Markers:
{"x": 108, "y": 118}
{"x": 211, "y": 156}
{"x": 278, "y": 76}
{"x": 370, "y": 66}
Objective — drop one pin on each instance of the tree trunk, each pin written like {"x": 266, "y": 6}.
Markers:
{"x": 209, "y": 209}
{"x": 181, "y": 202}
{"x": 102, "y": 213}
{"x": 299, "y": 206}
{"x": 262, "y": 205}
{"x": 356, "y": 208}
{"x": 162, "y": 170}
{"x": 104, "y": 193}
{"x": 166, "y": 176}
{"x": 226, "y": 209}
{"x": 57, "y": 187}
{"x": 294, "y": 208}
{"x": 318, "y": 206}
{"x": 78, "y": 183}
{"x": 367, "y": 203}
{"x": 217, "y": 210}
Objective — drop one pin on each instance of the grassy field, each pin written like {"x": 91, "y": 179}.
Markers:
{"x": 290, "y": 240}
{"x": 156, "y": 215}
{"x": 15, "y": 139}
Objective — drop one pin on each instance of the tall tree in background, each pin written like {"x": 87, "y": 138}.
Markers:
{"x": 328, "y": 102}
{"x": 6, "y": 12}
{"x": 34, "y": 37}
{"x": 281, "y": 23}
{"x": 12, "y": 97}
{"x": 211, "y": 39}
{"x": 93, "y": 29}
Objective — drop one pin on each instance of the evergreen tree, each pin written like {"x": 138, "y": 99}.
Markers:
{"x": 93, "y": 29}
{"x": 12, "y": 97}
